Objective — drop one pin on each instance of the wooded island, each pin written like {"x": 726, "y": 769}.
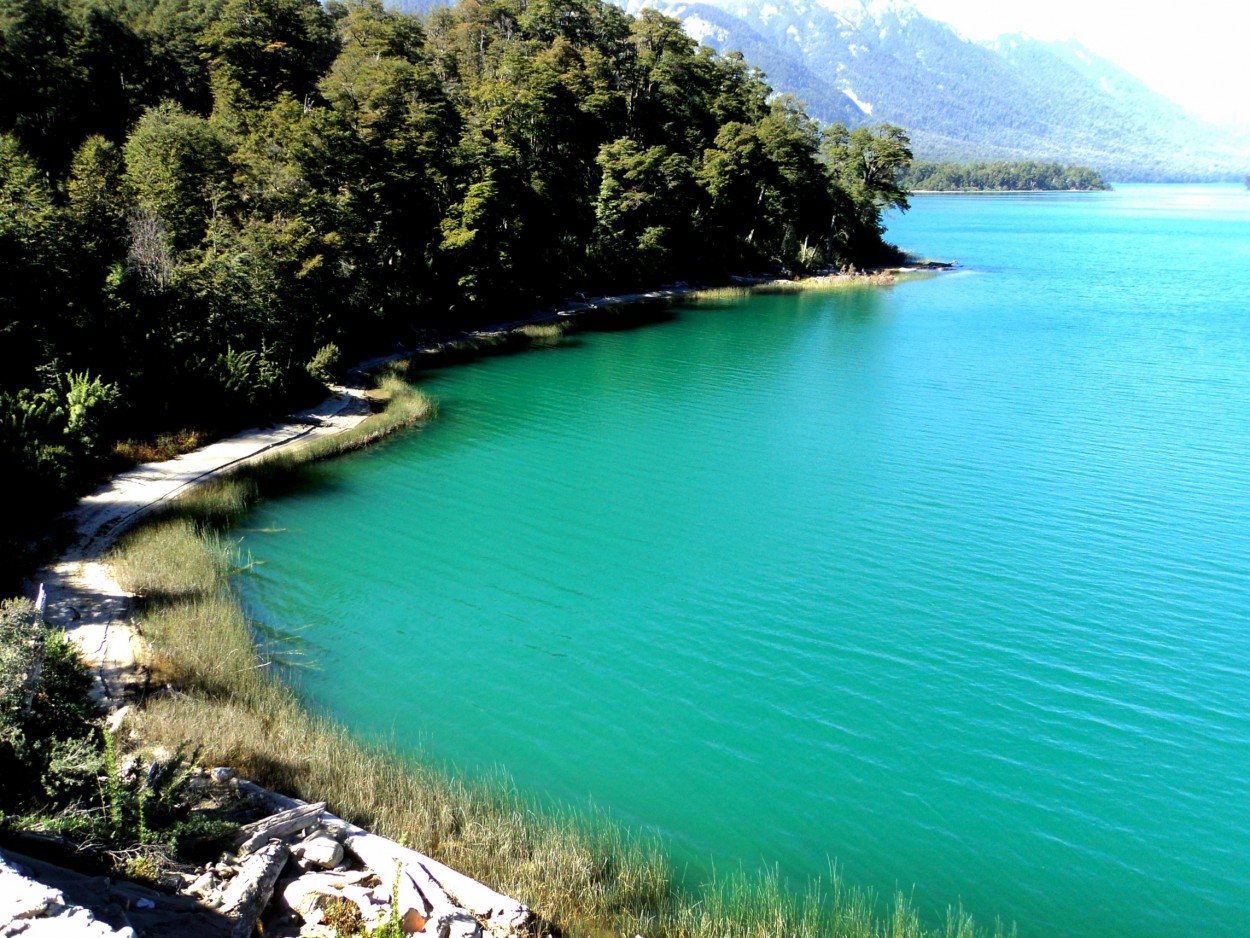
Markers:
{"x": 1000, "y": 176}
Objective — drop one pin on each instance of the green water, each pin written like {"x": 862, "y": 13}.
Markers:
{"x": 947, "y": 581}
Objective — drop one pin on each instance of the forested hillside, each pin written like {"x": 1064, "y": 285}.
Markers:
{"x": 205, "y": 203}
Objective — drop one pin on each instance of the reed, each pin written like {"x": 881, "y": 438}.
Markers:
{"x": 543, "y": 333}
{"x": 854, "y": 280}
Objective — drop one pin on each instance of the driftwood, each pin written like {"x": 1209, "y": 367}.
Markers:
{"x": 250, "y": 891}
{"x": 253, "y": 836}
{"x": 445, "y": 889}
{"x": 500, "y": 914}
{"x": 309, "y": 895}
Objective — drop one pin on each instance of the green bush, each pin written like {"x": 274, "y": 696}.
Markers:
{"x": 47, "y": 718}
{"x": 323, "y": 364}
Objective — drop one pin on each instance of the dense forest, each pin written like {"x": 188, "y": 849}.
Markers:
{"x": 1000, "y": 176}
{"x": 205, "y": 204}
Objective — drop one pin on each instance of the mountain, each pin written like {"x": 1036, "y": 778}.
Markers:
{"x": 864, "y": 61}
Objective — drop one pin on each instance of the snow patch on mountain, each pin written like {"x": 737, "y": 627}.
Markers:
{"x": 862, "y": 105}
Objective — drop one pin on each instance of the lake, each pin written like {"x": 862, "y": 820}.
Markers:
{"x": 947, "y": 581}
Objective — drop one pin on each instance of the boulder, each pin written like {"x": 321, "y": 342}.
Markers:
{"x": 319, "y": 850}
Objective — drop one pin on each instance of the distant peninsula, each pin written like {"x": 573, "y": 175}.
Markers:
{"x": 1001, "y": 176}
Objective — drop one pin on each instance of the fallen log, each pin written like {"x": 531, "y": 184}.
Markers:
{"x": 250, "y": 891}
{"x": 255, "y": 835}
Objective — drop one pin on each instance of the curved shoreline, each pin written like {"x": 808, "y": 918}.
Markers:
{"x": 81, "y": 596}
{"x": 84, "y": 600}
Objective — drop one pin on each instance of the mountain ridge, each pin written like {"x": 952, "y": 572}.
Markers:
{"x": 1014, "y": 97}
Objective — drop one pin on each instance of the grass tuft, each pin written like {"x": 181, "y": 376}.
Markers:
{"x": 544, "y": 333}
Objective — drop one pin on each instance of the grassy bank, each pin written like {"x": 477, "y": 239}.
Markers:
{"x": 583, "y": 874}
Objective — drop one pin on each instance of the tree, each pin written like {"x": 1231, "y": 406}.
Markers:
{"x": 176, "y": 165}
{"x": 260, "y": 48}
{"x": 867, "y": 162}
{"x": 644, "y": 209}
{"x": 99, "y": 196}
{"x": 31, "y": 246}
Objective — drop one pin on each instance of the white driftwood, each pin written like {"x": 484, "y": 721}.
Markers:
{"x": 250, "y": 891}
{"x": 501, "y": 914}
{"x": 308, "y": 895}
{"x": 253, "y": 836}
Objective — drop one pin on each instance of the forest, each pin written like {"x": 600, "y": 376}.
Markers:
{"x": 207, "y": 205}
{"x": 1000, "y": 176}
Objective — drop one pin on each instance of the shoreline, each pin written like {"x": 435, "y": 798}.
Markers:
{"x": 572, "y": 310}
{"x": 998, "y": 191}
{"x": 85, "y": 599}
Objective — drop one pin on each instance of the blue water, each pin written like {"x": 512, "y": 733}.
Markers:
{"x": 946, "y": 581}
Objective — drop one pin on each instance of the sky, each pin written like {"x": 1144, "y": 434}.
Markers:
{"x": 1197, "y": 52}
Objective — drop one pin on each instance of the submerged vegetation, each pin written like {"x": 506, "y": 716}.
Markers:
{"x": 582, "y": 873}
{"x": 1001, "y": 176}
{"x": 206, "y": 204}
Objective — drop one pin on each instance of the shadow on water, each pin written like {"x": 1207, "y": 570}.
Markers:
{"x": 558, "y": 333}
{"x": 628, "y": 317}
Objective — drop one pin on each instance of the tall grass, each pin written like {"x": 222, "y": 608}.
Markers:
{"x": 826, "y": 284}
{"x": 582, "y": 873}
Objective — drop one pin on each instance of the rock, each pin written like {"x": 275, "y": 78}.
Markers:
{"x": 413, "y": 922}
{"x": 22, "y": 898}
{"x": 75, "y": 921}
{"x": 222, "y": 774}
{"x": 318, "y": 850}
{"x": 33, "y": 910}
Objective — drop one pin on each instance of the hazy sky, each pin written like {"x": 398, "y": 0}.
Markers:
{"x": 1197, "y": 52}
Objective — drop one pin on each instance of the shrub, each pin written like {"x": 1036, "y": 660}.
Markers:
{"x": 47, "y": 718}
{"x": 323, "y": 364}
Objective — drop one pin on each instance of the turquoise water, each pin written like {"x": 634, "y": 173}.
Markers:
{"x": 947, "y": 581}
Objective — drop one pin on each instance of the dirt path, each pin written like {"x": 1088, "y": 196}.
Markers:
{"x": 82, "y": 596}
